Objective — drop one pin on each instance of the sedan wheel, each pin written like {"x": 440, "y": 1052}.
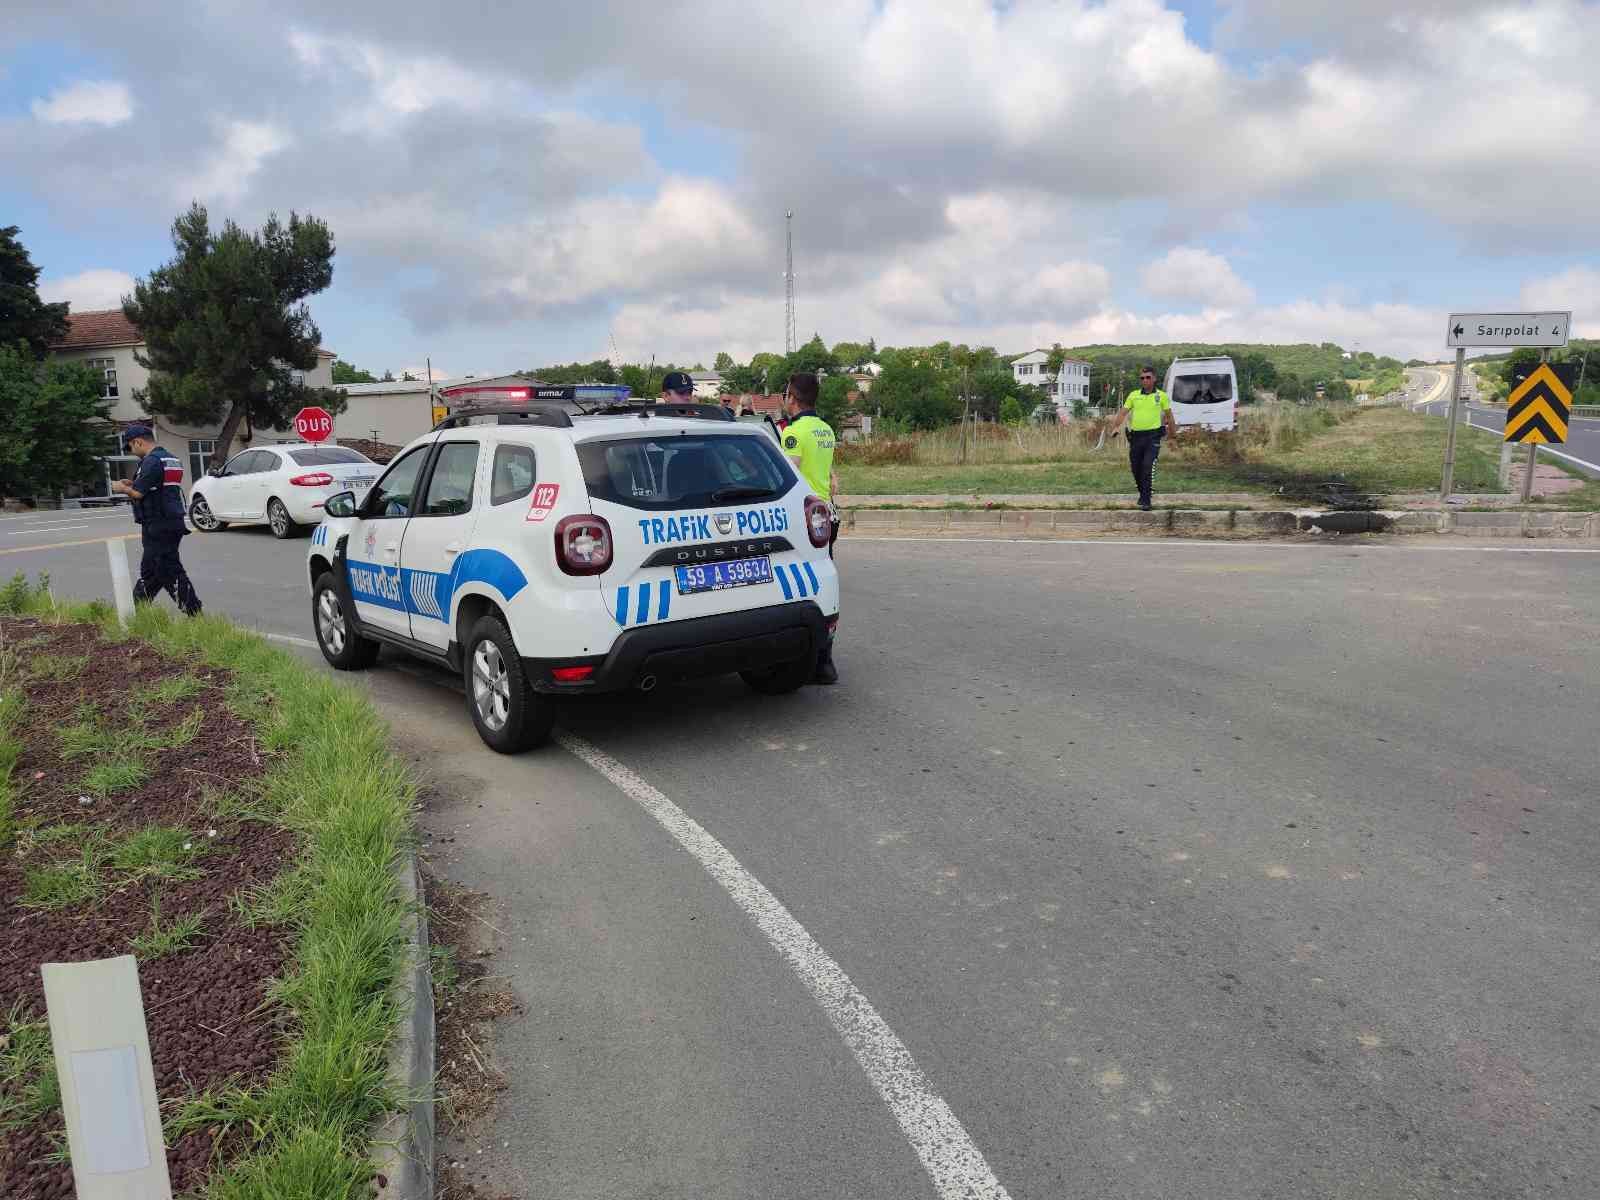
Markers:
{"x": 201, "y": 516}
{"x": 278, "y": 519}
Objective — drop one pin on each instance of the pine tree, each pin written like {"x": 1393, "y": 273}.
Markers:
{"x": 23, "y": 316}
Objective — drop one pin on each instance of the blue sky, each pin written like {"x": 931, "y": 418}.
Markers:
{"x": 1094, "y": 170}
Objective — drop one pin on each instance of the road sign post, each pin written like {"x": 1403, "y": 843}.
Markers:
{"x": 1448, "y": 483}
{"x": 1540, "y": 330}
{"x": 313, "y": 424}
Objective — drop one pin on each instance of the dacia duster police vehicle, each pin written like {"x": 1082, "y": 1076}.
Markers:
{"x": 544, "y": 550}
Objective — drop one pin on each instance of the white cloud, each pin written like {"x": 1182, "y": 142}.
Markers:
{"x": 98, "y": 288}
{"x": 88, "y": 103}
{"x": 1576, "y": 289}
{"x": 1187, "y": 273}
{"x": 231, "y": 167}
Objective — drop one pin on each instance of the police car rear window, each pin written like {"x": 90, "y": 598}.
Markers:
{"x": 325, "y": 456}
{"x": 684, "y": 470}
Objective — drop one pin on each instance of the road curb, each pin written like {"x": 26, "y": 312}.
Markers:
{"x": 1052, "y": 522}
{"x": 403, "y": 1143}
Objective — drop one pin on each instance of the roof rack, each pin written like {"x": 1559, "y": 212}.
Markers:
{"x": 511, "y": 414}
{"x": 648, "y": 408}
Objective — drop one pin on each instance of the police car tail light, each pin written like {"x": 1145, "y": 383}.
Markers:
{"x": 583, "y": 544}
{"x": 819, "y": 521}
{"x": 315, "y": 479}
{"x": 571, "y": 674}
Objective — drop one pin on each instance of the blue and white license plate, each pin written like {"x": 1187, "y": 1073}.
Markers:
{"x": 714, "y": 577}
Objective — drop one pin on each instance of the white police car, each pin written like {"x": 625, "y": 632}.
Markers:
{"x": 545, "y": 551}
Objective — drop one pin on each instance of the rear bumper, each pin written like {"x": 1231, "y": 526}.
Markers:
{"x": 694, "y": 649}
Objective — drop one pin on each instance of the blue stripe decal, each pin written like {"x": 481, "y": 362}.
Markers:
{"x": 816, "y": 588}
{"x": 799, "y": 583}
{"x": 487, "y": 566}
{"x": 783, "y": 582}
{"x": 643, "y": 614}
{"x": 622, "y": 606}
{"x": 666, "y": 601}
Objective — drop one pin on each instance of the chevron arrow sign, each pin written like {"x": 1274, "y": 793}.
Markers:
{"x": 1538, "y": 407}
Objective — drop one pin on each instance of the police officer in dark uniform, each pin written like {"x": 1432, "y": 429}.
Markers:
{"x": 156, "y": 494}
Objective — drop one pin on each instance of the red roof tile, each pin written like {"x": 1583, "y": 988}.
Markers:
{"x": 104, "y": 328}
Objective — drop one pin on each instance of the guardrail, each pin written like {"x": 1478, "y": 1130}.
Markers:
{"x": 1589, "y": 412}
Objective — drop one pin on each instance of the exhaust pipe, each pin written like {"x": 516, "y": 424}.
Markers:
{"x": 647, "y": 683}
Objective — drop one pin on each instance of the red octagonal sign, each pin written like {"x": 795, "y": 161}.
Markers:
{"x": 313, "y": 424}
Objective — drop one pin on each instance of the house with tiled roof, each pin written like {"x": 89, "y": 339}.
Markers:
{"x": 107, "y": 341}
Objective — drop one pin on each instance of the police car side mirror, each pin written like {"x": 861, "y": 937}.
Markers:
{"x": 341, "y": 505}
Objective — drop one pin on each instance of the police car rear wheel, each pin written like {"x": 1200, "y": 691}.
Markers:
{"x": 781, "y": 679}
{"x": 509, "y": 715}
{"x": 342, "y": 646}
{"x": 278, "y": 520}
{"x": 202, "y": 518}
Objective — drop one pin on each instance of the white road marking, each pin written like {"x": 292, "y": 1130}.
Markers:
{"x": 1572, "y": 458}
{"x": 47, "y": 529}
{"x": 953, "y": 1162}
{"x": 120, "y": 515}
{"x": 1221, "y": 544}
{"x": 289, "y": 639}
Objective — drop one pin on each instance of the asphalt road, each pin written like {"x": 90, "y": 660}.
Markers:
{"x": 1204, "y": 870}
{"x": 1581, "y": 450}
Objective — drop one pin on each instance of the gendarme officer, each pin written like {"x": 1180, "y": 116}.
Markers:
{"x": 157, "y": 500}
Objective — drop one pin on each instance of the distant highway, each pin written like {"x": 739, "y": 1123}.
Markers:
{"x": 1428, "y": 390}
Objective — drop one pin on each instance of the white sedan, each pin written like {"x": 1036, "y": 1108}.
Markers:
{"x": 285, "y": 486}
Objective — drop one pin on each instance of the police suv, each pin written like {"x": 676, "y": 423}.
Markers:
{"x": 546, "y": 550}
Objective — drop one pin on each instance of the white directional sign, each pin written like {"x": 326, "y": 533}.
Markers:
{"x": 1539, "y": 329}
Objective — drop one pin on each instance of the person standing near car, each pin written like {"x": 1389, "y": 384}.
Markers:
{"x": 156, "y": 496}
{"x": 676, "y": 388}
{"x": 1148, "y": 414}
{"x": 809, "y": 443}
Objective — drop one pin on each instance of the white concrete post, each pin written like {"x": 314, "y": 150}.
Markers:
{"x": 121, "y": 582}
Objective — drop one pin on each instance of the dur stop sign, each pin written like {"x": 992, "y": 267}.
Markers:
{"x": 313, "y": 424}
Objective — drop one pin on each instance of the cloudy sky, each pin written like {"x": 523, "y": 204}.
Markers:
{"x": 516, "y": 184}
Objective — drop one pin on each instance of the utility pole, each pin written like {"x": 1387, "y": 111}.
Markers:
{"x": 789, "y": 282}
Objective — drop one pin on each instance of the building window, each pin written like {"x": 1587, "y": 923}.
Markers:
{"x": 200, "y": 452}
{"x": 1025, "y": 369}
{"x": 108, "y": 369}
{"x": 298, "y": 378}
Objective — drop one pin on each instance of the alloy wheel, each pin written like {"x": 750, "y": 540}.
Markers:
{"x": 491, "y": 686}
{"x": 330, "y": 622}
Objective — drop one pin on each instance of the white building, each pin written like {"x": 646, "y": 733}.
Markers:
{"x": 393, "y": 412}
{"x": 707, "y": 385}
{"x": 1071, "y": 386}
{"x": 106, "y": 340}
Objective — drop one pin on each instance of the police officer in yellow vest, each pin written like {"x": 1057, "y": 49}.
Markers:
{"x": 809, "y": 443}
{"x": 1148, "y": 415}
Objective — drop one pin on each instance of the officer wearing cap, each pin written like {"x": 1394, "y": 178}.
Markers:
{"x": 1148, "y": 414}
{"x": 156, "y": 493}
{"x": 809, "y": 443}
{"x": 677, "y": 388}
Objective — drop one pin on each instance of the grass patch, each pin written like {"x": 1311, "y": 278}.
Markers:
{"x": 28, "y": 1085}
{"x": 56, "y": 667}
{"x": 175, "y": 689}
{"x": 10, "y": 752}
{"x": 157, "y": 852}
{"x": 70, "y": 881}
{"x": 348, "y": 799}
{"x": 1286, "y": 450}
{"x": 162, "y": 938}
{"x": 107, "y": 778}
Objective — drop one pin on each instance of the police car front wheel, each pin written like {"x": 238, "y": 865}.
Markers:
{"x": 510, "y": 715}
{"x": 342, "y": 646}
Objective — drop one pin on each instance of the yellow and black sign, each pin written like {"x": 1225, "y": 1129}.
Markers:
{"x": 1538, "y": 407}
{"x": 440, "y": 412}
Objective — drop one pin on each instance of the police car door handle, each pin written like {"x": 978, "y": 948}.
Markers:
{"x": 453, "y": 548}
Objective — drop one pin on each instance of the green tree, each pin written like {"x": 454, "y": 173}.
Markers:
{"x": 23, "y": 316}
{"x": 226, "y": 325}
{"x": 343, "y": 372}
{"x": 833, "y": 398}
{"x": 990, "y": 388}
{"x": 53, "y": 423}
{"x": 917, "y": 394}
{"x": 813, "y": 357}
{"x": 737, "y": 381}
{"x": 723, "y": 363}
{"x": 852, "y": 356}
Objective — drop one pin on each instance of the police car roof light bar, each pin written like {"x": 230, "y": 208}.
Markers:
{"x": 647, "y": 408}
{"x": 522, "y": 414}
